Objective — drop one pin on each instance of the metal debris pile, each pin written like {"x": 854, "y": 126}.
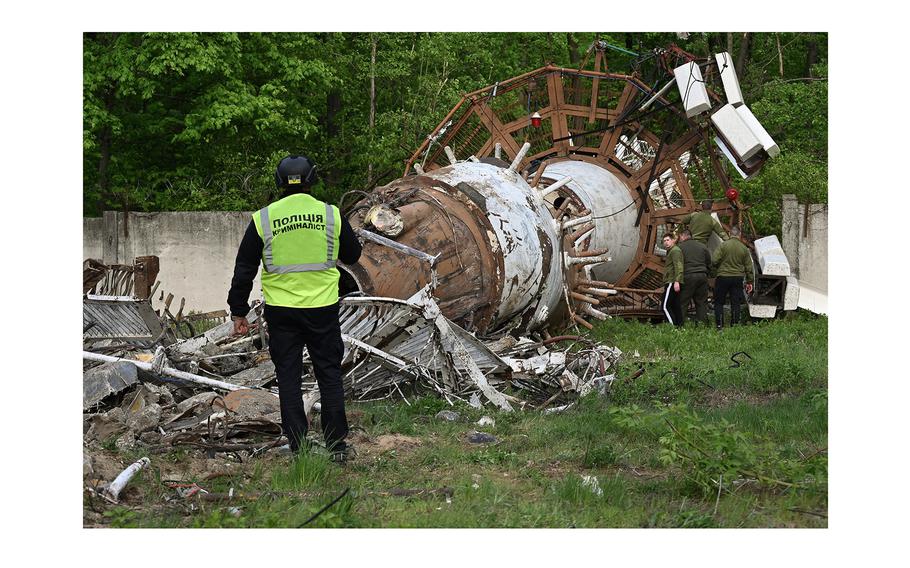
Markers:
{"x": 218, "y": 392}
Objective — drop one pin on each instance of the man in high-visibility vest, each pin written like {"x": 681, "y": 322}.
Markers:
{"x": 298, "y": 239}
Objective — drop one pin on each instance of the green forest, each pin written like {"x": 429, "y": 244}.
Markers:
{"x": 197, "y": 121}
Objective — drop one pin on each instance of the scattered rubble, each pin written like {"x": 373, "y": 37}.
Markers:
{"x": 150, "y": 391}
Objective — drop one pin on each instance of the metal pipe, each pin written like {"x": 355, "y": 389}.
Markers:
{"x": 520, "y": 156}
{"x": 576, "y": 221}
{"x": 597, "y": 291}
{"x": 657, "y": 95}
{"x": 176, "y": 373}
{"x": 553, "y": 187}
{"x": 451, "y": 155}
{"x": 585, "y": 299}
{"x": 572, "y": 260}
{"x": 396, "y": 245}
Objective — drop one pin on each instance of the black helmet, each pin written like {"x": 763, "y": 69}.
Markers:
{"x": 295, "y": 172}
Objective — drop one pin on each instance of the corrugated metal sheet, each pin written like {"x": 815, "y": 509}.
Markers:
{"x": 118, "y": 317}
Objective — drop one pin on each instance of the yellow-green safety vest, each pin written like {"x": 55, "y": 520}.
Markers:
{"x": 300, "y": 247}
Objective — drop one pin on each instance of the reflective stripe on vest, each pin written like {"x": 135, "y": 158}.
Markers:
{"x": 288, "y": 268}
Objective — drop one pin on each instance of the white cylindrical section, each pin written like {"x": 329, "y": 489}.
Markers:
{"x": 608, "y": 199}
{"x": 522, "y": 230}
{"x": 450, "y": 154}
{"x": 554, "y": 186}
{"x": 520, "y": 156}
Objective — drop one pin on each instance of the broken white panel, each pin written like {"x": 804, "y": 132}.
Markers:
{"x": 729, "y": 79}
{"x": 768, "y": 245}
{"x": 692, "y": 89}
{"x": 774, "y": 265}
{"x": 759, "y": 131}
{"x": 729, "y": 155}
{"x": 813, "y": 299}
{"x": 771, "y": 257}
{"x": 791, "y": 294}
{"x": 735, "y": 131}
{"x": 762, "y": 310}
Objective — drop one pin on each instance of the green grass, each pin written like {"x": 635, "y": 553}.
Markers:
{"x": 771, "y": 412}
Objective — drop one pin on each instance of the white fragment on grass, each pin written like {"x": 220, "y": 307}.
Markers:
{"x": 590, "y": 481}
{"x": 486, "y": 420}
{"x": 475, "y": 401}
{"x": 113, "y": 490}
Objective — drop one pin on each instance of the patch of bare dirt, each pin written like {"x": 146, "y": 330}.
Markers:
{"x": 720, "y": 398}
{"x": 399, "y": 443}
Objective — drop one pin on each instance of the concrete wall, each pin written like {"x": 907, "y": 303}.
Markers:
{"x": 804, "y": 238}
{"x": 196, "y": 251}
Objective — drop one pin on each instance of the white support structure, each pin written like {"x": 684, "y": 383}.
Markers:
{"x": 735, "y": 131}
{"x": 521, "y": 156}
{"x": 729, "y": 79}
{"x": 553, "y": 187}
{"x": 497, "y": 151}
{"x": 762, "y": 310}
{"x": 418, "y": 168}
{"x": 771, "y": 257}
{"x": 692, "y": 89}
{"x": 451, "y": 155}
{"x": 759, "y": 131}
{"x": 791, "y": 294}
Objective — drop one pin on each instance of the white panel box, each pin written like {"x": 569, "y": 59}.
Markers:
{"x": 791, "y": 294}
{"x": 740, "y": 137}
{"x": 768, "y": 245}
{"x": 692, "y": 89}
{"x": 729, "y": 78}
{"x": 774, "y": 265}
{"x": 762, "y": 310}
{"x": 759, "y": 131}
{"x": 730, "y": 157}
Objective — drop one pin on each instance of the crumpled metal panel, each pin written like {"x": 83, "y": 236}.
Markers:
{"x": 390, "y": 341}
{"x": 118, "y": 317}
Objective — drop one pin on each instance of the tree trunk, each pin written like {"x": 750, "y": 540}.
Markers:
{"x": 811, "y": 57}
{"x": 730, "y": 43}
{"x": 574, "y": 61}
{"x": 742, "y": 57}
{"x": 104, "y": 144}
{"x": 373, "y": 42}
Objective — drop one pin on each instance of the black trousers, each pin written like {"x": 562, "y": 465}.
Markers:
{"x": 671, "y": 305}
{"x": 695, "y": 288}
{"x": 290, "y": 329}
{"x": 724, "y": 286}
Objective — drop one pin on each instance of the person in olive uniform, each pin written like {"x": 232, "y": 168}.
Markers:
{"x": 298, "y": 240}
{"x": 697, "y": 266}
{"x": 733, "y": 265}
{"x": 673, "y": 279}
{"x": 701, "y": 224}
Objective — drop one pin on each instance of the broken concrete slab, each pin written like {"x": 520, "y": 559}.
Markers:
{"x": 145, "y": 419}
{"x": 257, "y": 376}
{"x": 104, "y": 380}
{"x": 448, "y": 415}
{"x": 248, "y": 404}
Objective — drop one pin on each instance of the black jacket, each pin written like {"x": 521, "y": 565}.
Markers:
{"x": 696, "y": 257}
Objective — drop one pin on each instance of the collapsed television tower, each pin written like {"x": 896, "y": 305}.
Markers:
{"x": 540, "y": 202}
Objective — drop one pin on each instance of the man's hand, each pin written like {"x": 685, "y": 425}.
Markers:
{"x": 241, "y": 326}
{"x": 748, "y": 288}
{"x": 676, "y": 286}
